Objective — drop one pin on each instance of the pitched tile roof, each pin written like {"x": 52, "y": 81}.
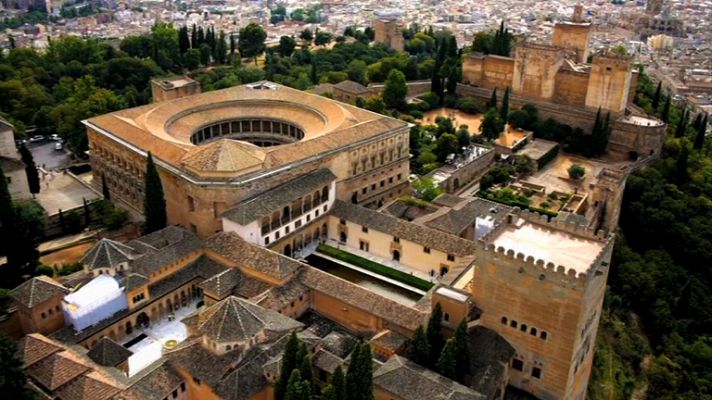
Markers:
{"x": 57, "y": 369}
{"x": 107, "y": 254}
{"x": 157, "y": 384}
{"x": 234, "y": 248}
{"x": 413, "y": 232}
{"x": 274, "y": 199}
{"x": 327, "y": 361}
{"x": 91, "y": 386}
{"x": 171, "y": 244}
{"x": 134, "y": 281}
{"x": 489, "y": 352}
{"x": 280, "y": 296}
{"x": 352, "y": 87}
{"x": 362, "y": 298}
{"x": 109, "y": 353}
{"x": 458, "y": 219}
{"x": 225, "y": 155}
{"x": 223, "y": 283}
{"x": 35, "y": 347}
{"x": 37, "y": 290}
{"x": 409, "y": 380}
{"x": 235, "y": 319}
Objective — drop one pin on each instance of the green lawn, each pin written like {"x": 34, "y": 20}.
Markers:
{"x": 380, "y": 269}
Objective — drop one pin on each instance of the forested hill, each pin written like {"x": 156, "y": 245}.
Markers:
{"x": 655, "y": 340}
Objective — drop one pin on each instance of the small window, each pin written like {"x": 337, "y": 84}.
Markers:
{"x": 276, "y": 235}
{"x": 191, "y": 204}
{"x": 266, "y": 240}
{"x": 396, "y": 239}
{"x": 533, "y": 332}
{"x": 513, "y": 324}
{"x": 342, "y": 221}
{"x": 523, "y": 328}
{"x": 175, "y": 393}
{"x": 373, "y": 186}
{"x": 543, "y": 335}
{"x": 504, "y": 320}
{"x": 446, "y": 317}
{"x": 536, "y": 372}
{"x": 426, "y": 249}
{"x": 182, "y": 386}
{"x": 399, "y": 177}
{"x": 450, "y": 257}
{"x": 364, "y": 229}
{"x": 363, "y": 191}
{"x": 196, "y": 381}
{"x": 517, "y": 364}
{"x": 44, "y": 315}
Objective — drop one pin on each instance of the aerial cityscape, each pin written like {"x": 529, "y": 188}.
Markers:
{"x": 400, "y": 200}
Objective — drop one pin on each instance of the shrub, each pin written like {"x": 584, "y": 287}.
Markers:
{"x": 431, "y": 98}
{"x": 416, "y": 114}
{"x": 576, "y": 172}
{"x": 67, "y": 269}
{"x": 545, "y": 204}
{"x": 469, "y": 105}
{"x": 450, "y": 101}
{"x": 44, "y": 270}
{"x": 424, "y": 106}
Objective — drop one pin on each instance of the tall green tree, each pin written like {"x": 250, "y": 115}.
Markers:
{"x": 418, "y": 348}
{"x": 252, "y": 41}
{"x": 446, "y": 364}
{"x": 682, "y": 174}
{"x": 307, "y": 36}
{"x": 665, "y": 114}
{"x": 154, "y": 207}
{"x": 462, "y": 351}
{"x": 492, "y": 125}
{"x": 106, "y": 193}
{"x": 701, "y": 131}
{"x": 656, "y": 98}
{"x": 434, "y": 334}
{"x": 13, "y": 380}
{"x": 220, "y": 53}
{"x": 194, "y": 37}
{"x": 305, "y": 365}
{"x": 338, "y": 382}
{"x": 493, "y": 99}
{"x": 504, "y": 111}
{"x": 297, "y": 388}
{"x": 33, "y": 177}
{"x": 183, "y": 39}
{"x": 682, "y": 124}
{"x": 395, "y": 90}
{"x": 286, "y": 47}
{"x": 289, "y": 364}
{"x": 352, "y": 374}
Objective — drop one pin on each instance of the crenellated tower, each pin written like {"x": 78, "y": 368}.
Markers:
{"x": 540, "y": 284}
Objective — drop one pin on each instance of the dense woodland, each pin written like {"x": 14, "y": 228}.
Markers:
{"x": 656, "y": 332}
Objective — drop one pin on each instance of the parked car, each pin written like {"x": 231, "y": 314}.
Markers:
{"x": 20, "y": 142}
{"x": 37, "y": 138}
{"x": 55, "y": 138}
{"x": 58, "y": 146}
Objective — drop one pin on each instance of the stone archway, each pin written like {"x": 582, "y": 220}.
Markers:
{"x": 396, "y": 255}
{"x": 287, "y": 250}
{"x": 143, "y": 320}
{"x": 129, "y": 328}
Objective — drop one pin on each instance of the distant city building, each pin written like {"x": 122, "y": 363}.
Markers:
{"x": 388, "y": 26}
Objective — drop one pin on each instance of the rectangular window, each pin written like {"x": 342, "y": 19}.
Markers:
{"x": 373, "y": 186}
{"x": 383, "y": 183}
{"x": 191, "y": 204}
{"x": 316, "y": 213}
{"x": 196, "y": 381}
{"x": 390, "y": 180}
{"x": 536, "y": 372}
{"x": 286, "y": 230}
{"x": 450, "y": 257}
{"x": 276, "y": 235}
{"x": 297, "y": 223}
{"x": 175, "y": 393}
{"x": 396, "y": 239}
{"x": 363, "y": 191}
{"x": 182, "y": 386}
{"x": 426, "y": 249}
{"x": 266, "y": 240}
{"x": 342, "y": 221}
{"x": 364, "y": 229}
{"x": 517, "y": 364}
{"x": 399, "y": 176}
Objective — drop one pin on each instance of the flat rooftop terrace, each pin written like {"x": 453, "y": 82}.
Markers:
{"x": 558, "y": 247}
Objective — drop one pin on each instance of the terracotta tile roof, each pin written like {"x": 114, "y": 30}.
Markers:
{"x": 489, "y": 353}
{"x": 134, "y": 281}
{"x": 225, "y": 155}
{"x": 234, "y": 319}
{"x": 413, "y": 232}
{"x": 234, "y": 248}
{"x": 107, "y": 254}
{"x": 91, "y": 386}
{"x": 362, "y": 298}
{"x": 35, "y": 347}
{"x": 409, "y": 380}
{"x": 275, "y": 199}
{"x": 326, "y": 361}
{"x": 223, "y": 283}
{"x": 37, "y": 290}
{"x": 171, "y": 244}
{"x": 352, "y": 87}
{"x": 109, "y": 353}
{"x": 337, "y": 343}
{"x": 157, "y": 384}
{"x": 279, "y": 297}
{"x": 57, "y": 369}
{"x": 458, "y": 219}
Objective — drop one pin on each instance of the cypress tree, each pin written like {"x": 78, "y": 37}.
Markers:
{"x": 701, "y": 131}
{"x": 493, "y": 100}
{"x": 183, "y": 39}
{"x": 297, "y": 388}
{"x": 365, "y": 373}
{"x": 313, "y": 75}
{"x": 200, "y": 36}
{"x": 194, "y": 38}
{"x": 7, "y": 213}
{"x": 154, "y": 207}
{"x": 434, "y": 334}
{"x": 289, "y": 363}
{"x": 87, "y": 212}
{"x": 352, "y": 380}
{"x": 328, "y": 393}
{"x": 220, "y": 48}
{"x": 446, "y": 363}
{"x": 338, "y": 382}
{"x": 305, "y": 365}
{"x": 656, "y": 98}
{"x": 419, "y": 349}
{"x": 232, "y": 44}
{"x": 33, "y": 177}
{"x": 682, "y": 124}
{"x": 462, "y": 351}
{"x": 698, "y": 121}
{"x": 504, "y": 111}
{"x": 665, "y": 115}
{"x": 13, "y": 384}
{"x": 105, "y": 188}
{"x": 681, "y": 174}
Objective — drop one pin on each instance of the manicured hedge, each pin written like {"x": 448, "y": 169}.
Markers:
{"x": 489, "y": 196}
{"x": 550, "y": 155}
{"x": 380, "y": 269}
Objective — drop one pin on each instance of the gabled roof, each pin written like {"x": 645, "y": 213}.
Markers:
{"x": 35, "y": 347}
{"x": 409, "y": 380}
{"x": 457, "y": 220}
{"x": 235, "y": 319}
{"x": 92, "y": 386}
{"x": 413, "y": 232}
{"x": 37, "y": 290}
{"x": 170, "y": 244}
{"x": 223, "y": 283}
{"x": 57, "y": 369}
{"x": 352, "y": 87}
{"x": 109, "y": 353}
{"x": 274, "y": 199}
{"x": 233, "y": 247}
{"x": 107, "y": 253}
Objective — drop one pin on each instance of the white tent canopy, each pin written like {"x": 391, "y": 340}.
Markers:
{"x": 94, "y": 302}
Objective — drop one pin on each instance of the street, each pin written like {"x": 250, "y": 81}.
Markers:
{"x": 46, "y": 156}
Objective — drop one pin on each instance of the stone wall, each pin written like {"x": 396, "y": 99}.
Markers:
{"x": 488, "y": 70}
{"x": 574, "y": 37}
{"x": 609, "y": 83}
{"x": 535, "y": 69}
{"x": 571, "y": 88}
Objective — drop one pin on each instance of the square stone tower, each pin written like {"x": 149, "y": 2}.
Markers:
{"x": 388, "y": 32}
{"x": 540, "y": 285}
{"x": 609, "y": 82}
{"x": 574, "y": 36}
{"x": 535, "y": 69}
